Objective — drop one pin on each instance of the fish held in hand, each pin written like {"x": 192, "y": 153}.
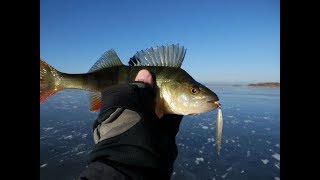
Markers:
{"x": 176, "y": 91}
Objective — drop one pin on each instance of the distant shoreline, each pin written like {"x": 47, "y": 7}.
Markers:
{"x": 265, "y": 84}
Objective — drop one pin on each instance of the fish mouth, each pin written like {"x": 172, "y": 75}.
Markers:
{"x": 215, "y": 102}
{"x": 193, "y": 114}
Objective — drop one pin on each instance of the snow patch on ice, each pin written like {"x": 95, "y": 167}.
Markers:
{"x": 67, "y": 137}
{"x": 199, "y": 160}
{"x": 248, "y": 121}
{"x": 84, "y": 135}
{"x": 276, "y": 156}
{"x": 224, "y": 176}
{"x": 47, "y": 129}
{"x": 265, "y": 161}
{"x": 204, "y": 127}
{"x": 248, "y": 153}
{"x": 81, "y": 152}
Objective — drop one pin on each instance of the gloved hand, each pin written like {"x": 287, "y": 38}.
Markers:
{"x": 130, "y": 137}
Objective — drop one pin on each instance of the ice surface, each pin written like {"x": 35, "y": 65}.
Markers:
{"x": 250, "y": 135}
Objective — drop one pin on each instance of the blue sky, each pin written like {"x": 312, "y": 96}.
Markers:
{"x": 226, "y": 40}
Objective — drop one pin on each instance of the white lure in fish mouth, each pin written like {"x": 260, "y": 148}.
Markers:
{"x": 219, "y": 129}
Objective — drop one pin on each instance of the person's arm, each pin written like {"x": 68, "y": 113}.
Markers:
{"x": 131, "y": 142}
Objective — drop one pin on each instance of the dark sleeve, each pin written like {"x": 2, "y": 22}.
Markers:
{"x": 145, "y": 151}
{"x": 101, "y": 171}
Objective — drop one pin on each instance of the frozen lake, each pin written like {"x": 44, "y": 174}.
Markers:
{"x": 250, "y": 140}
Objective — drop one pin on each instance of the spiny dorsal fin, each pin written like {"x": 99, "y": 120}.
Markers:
{"x": 108, "y": 59}
{"x": 95, "y": 101}
{"x": 170, "y": 55}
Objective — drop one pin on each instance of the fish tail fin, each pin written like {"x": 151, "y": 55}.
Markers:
{"x": 49, "y": 81}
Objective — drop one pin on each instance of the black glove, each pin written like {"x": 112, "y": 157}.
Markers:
{"x": 129, "y": 136}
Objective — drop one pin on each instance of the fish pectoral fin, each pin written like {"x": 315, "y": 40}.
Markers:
{"x": 159, "y": 109}
{"x": 95, "y": 101}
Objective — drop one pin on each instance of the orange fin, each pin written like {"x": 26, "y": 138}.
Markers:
{"x": 95, "y": 101}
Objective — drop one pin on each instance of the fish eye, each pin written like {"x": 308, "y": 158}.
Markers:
{"x": 194, "y": 90}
